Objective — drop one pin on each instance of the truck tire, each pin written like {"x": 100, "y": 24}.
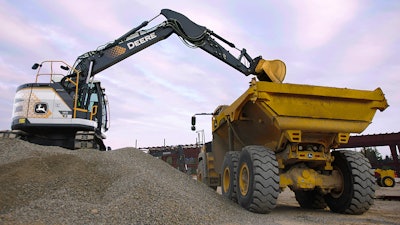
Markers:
{"x": 310, "y": 199}
{"x": 357, "y": 193}
{"x": 201, "y": 168}
{"x": 228, "y": 178}
{"x": 379, "y": 182}
{"x": 257, "y": 179}
{"x": 387, "y": 182}
{"x": 201, "y": 172}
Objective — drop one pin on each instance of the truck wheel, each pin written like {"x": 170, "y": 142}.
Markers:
{"x": 387, "y": 182}
{"x": 201, "y": 172}
{"x": 201, "y": 169}
{"x": 228, "y": 178}
{"x": 379, "y": 182}
{"x": 258, "y": 179}
{"x": 310, "y": 199}
{"x": 358, "y": 189}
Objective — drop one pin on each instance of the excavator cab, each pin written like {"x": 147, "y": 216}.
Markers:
{"x": 97, "y": 105}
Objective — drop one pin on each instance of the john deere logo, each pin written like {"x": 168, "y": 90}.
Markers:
{"x": 41, "y": 108}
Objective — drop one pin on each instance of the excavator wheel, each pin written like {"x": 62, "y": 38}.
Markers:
{"x": 388, "y": 182}
{"x": 228, "y": 178}
{"x": 310, "y": 199}
{"x": 258, "y": 179}
{"x": 357, "y": 193}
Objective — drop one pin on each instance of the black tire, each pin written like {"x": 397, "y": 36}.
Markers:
{"x": 257, "y": 179}
{"x": 201, "y": 169}
{"x": 310, "y": 199}
{"x": 201, "y": 172}
{"x": 388, "y": 182}
{"x": 228, "y": 176}
{"x": 379, "y": 182}
{"x": 357, "y": 193}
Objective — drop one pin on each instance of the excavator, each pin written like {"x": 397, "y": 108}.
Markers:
{"x": 70, "y": 108}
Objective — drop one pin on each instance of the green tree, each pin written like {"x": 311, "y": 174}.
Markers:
{"x": 372, "y": 154}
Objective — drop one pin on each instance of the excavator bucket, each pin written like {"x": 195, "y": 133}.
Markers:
{"x": 271, "y": 70}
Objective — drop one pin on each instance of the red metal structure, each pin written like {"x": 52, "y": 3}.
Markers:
{"x": 374, "y": 140}
{"x": 181, "y": 157}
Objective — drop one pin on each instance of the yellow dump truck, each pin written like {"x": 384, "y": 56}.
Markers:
{"x": 279, "y": 135}
{"x": 385, "y": 178}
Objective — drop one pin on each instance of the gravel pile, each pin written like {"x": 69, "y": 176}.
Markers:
{"x": 52, "y": 185}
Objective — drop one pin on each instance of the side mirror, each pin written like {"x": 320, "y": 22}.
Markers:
{"x": 35, "y": 66}
{"x": 64, "y": 67}
{"x": 194, "y": 119}
{"x": 193, "y": 123}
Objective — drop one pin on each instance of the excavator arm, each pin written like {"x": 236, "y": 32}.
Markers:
{"x": 137, "y": 39}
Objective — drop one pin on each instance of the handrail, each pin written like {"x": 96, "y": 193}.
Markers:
{"x": 53, "y": 73}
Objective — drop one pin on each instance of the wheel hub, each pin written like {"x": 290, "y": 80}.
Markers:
{"x": 388, "y": 182}
{"x": 338, "y": 191}
{"x": 226, "y": 179}
{"x": 244, "y": 179}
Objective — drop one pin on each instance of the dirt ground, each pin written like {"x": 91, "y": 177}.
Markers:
{"x": 382, "y": 212}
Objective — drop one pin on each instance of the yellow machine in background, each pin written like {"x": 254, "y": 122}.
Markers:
{"x": 385, "y": 178}
{"x": 280, "y": 135}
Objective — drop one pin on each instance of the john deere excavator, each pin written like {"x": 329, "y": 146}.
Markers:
{"x": 70, "y": 109}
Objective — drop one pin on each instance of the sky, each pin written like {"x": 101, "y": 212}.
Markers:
{"x": 153, "y": 94}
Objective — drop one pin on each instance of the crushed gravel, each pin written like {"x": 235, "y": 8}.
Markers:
{"x": 51, "y": 185}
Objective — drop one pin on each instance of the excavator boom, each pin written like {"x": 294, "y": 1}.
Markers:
{"x": 195, "y": 35}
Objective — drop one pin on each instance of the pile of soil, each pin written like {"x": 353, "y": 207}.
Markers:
{"x": 52, "y": 185}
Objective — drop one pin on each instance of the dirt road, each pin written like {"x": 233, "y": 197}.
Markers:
{"x": 382, "y": 212}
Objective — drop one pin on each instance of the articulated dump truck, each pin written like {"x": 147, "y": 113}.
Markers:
{"x": 278, "y": 136}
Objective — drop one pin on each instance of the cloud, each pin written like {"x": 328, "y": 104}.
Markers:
{"x": 318, "y": 22}
{"x": 15, "y": 30}
{"x": 89, "y": 17}
{"x": 21, "y": 36}
{"x": 371, "y": 44}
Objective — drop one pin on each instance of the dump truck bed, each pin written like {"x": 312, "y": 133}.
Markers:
{"x": 271, "y": 114}
{"x": 313, "y": 108}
